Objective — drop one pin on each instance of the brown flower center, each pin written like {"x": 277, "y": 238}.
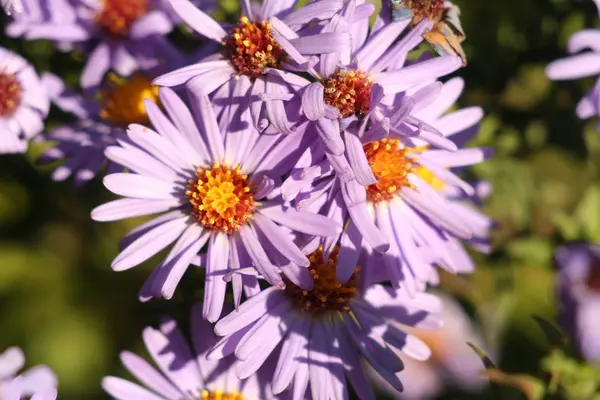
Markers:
{"x": 124, "y": 99}
{"x": 327, "y": 294}
{"x": 221, "y": 198}
{"x": 10, "y": 94}
{"x": 593, "y": 280}
{"x": 117, "y": 16}
{"x": 391, "y": 165}
{"x": 220, "y": 395}
{"x": 252, "y": 48}
{"x": 431, "y": 9}
{"x": 349, "y": 92}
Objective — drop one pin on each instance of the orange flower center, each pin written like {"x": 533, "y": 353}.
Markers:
{"x": 221, "y": 198}
{"x": 124, "y": 99}
{"x": 327, "y": 294}
{"x": 117, "y": 16}
{"x": 349, "y": 92}
{"x": 10, "y": 94}
{"x": 252, "y": 48}
{"x": 220, "y": 395}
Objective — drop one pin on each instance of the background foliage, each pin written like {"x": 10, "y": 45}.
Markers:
{"x": 61, "y": 302}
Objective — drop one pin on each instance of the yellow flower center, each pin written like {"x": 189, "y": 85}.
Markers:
{"x": 10, "y": 94}
{"x": 221, "y": 198}
{"x": 220, "y": 395}
{"x": 349, "y": 92}
{"x": 327, "y": 294}
{"x": 117, "y": 16}
{"x": 124, "y": 99}
{"x": 391, "y": 165}
{"x": 252, "y": 48}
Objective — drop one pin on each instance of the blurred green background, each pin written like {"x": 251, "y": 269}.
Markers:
{"x": 66, "y": 308}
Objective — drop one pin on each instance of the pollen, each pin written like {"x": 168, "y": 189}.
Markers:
{"x": 220, "y": 395}
{"x": 430, "y": 9}
{"x": 252, "y": 48}
{"x": 117, "y": 16}
{"x": 391, "y": 165}
{"x": 10, "y": 94}
{"x": 124, "y": 99}
{"x": 349, "y": 92}
{"x": 221, "y": 198}
{"x": 327, "y": 295}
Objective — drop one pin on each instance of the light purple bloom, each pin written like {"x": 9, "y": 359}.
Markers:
{"x": 37, "y": 383}
{"x": 322, "y": 335}
{"x": 12, "y": 6}
{"x": 226, "y": 75}
{"x": 579, "y": 293}
{"x": 417, "y": 212}
{"x": 183, "y": 373}
{"x": 581, "y": 65}
{"x": 211, "y": 186}
{"x": 122, "y": 37}
{"x": 24, "y": 103}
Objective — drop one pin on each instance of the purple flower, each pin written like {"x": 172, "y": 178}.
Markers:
{"x": 267, "y": 39}
{"x": 123, "y": 36}
{"x": 321, "y": 335}
{"x": 214, "y": 186}
{"x": 184, "y": 373}
{"x": 581, "y": 65}
{"x": 579, "y": 293}
{"x": 37, "y": 383}
{"x": 416, "y": 210}
{"x": 24, "y": 104}
{"x": 12, "y": 6}
{"x": 452, "y": 362}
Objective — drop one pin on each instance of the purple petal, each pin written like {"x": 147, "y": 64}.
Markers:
{"x": 249, "y": 311}
{"x": 199, "y": 21}
{"x": 312, "y": 101}
{"x": 214, "y": 286}
{"x": 301, "y": 221}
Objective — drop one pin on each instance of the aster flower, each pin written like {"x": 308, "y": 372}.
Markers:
{"x": 37, "y": 383}
{"x": 581, "y": 64}
{"x": 267, "y": 38}
{"x": 320, "y": 335}
{"x": 417, "y": 210}
{"x": 579, "y": 293}
{"x": 12, "y": 6}
{"x": 23, "y": 103}
{"x": 184, "y": 373}
{"x": 211, "y": 185}
{"x": 122, "y": 36}
{"x": 452, "y": 363}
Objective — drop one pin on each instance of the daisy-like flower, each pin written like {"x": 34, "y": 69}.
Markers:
{"x": 24, "y": 103}
{"x": 581, "y": 64}
{"x": 321, "y": 335}
{"x": 267, "y": 38}
{"x": 579, "y": 293}
{"x": 12, "y": 6}
{"x": 211, "y": 185}
{"x": 37, "y": 383}
{"x": 415, "y": 212}
{"x": 119, "y": 35}
{"x": 183, "y": 373}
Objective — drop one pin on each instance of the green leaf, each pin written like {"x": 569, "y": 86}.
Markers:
{"x": 555, "y": 337}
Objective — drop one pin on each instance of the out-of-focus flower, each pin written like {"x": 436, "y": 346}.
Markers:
{"x": 184, "y": 373}
{"x": 267, "y": 39}
{"x": 579, "y": 293}
{"x": 211, "y": 185}
{"x": 580, "y": 65}
{"x": 24, "y": 103}
{"x": 452, "y": 362}
{"x": 37, "y": 383}
{"x": 320, "y": 335}
{"x": 120, "y": 35}
{"x": 12, "y": 6}
{"x": 417, "y": 209}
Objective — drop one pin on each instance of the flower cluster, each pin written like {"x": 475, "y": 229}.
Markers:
{"x": 307, "y": 159}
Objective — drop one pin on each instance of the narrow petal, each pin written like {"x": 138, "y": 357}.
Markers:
{"x": 214, "y": 289}
{"x": 302, "y": 221}
{"x": 574, "y": 67}
{"x": 122, "y": 389}
{"x": 129, "y": 208}
{"x": 199, "y": 21}
{"x": 249, "y": 311}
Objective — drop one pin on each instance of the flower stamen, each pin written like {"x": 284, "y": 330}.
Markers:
{"x": 349, "y": 92}
{"x": 220, "y": 395}
{"x": 117, "y": 16}
{"x": 10, "y": 94}
{"x": 124, "y": 99}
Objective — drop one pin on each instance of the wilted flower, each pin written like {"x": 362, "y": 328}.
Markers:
{"x": 321, "y": 333}
{"x": 12, "y": 6}
{"x": 184, "y": 373}
{"x": 581, "y": 65}
{"x": 212, "y": 185}
{"x": 24, "y": 103}
{"x": 579, "y": 293}
{"x": 37, "y": 383}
